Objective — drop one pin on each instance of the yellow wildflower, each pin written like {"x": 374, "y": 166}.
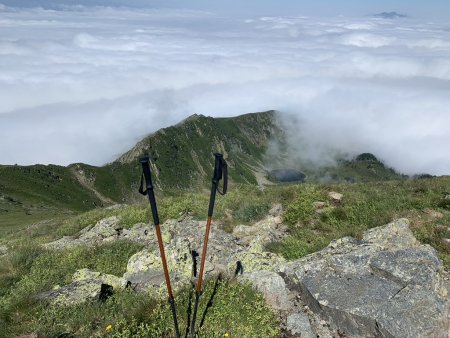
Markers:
{"x": 109, "y": 328}
{"x": 226, "y": 335}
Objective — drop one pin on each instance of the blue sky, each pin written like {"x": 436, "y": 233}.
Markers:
{"x": 438, "y": 9}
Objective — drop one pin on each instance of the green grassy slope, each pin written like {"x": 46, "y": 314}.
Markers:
{"x": 181, "y": 155}
{"x": 29, "y": 194}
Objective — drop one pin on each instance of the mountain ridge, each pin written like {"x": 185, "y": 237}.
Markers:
{"x": 181, "y": 160}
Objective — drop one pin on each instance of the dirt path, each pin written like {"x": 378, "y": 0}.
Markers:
{"x": 85, "y": 183}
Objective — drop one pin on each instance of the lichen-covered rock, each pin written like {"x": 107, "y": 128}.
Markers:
{"x": 265, "y": 231}
{"x": 387, "y": 285}
{"x": 73, "y": 293}
{"x": 144, "y": 260}
{"x": 107, "y": 227}
{"x": 272, "y": 286}
{"x": 90, "y": 275}
{"x": 153, "y": 282}
{"x": 223, "y": 254}
{"x": 109, "y": 230}
{"x": 66, "y": 242}
{"x": 256, "y": 259}
{"x": 86, "y": 286}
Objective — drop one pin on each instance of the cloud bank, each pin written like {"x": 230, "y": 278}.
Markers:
{"x": 84, "y": 84}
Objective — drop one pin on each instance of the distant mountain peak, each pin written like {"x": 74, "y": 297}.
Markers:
{"x": 389, "y": 15}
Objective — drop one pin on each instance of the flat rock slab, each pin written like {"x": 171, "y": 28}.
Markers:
{"x": 76, "y": 292}
{"x": 387, "y": 285}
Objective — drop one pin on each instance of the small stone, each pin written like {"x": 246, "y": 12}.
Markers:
{"x": 276, "y": 210}
{"x": 319, "y": 205}
{"x": 278, "y": 220}
{"x": 3, "y": 250}
{"x": 335, "y": 197}
{"x": 433, "y": 213}
{"x": 446, "y": 241}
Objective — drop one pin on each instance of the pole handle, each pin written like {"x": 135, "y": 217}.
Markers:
{"x": 220, "y": 171}
{"x": 147, "y": 174}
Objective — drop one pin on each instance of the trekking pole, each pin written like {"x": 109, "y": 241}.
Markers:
{"x": 220, "y": 168}
{"x": 151, "y": 197}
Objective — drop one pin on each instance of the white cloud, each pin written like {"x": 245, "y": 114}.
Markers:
{"x": 85, "y": 84}
{"x": 365, "y": 40}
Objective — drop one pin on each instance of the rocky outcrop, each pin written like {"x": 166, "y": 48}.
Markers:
{"x": 87, "y": 285}
{"x": 226, "y": 253}
{"x": 105, "y": 231}
{"x": 386, "y": 285}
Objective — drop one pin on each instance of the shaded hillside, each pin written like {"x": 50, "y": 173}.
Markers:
{"x": 363, "y": 168}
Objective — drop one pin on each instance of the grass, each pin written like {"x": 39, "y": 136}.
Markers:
{"x": 237, "y": 308}
{"x": 31, "y": 269}
{"x": 234, "y": 309}
{"x": 365, "y": 206}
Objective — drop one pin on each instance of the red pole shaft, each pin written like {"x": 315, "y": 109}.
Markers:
{"x": 205, "y": 248}
{"x": 164, "y": 262}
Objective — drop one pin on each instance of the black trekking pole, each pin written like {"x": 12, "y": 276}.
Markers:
{"x": 220, "y": 169}
{"x": 151, "y": 197}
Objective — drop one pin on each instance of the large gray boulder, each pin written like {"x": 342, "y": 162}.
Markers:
{"x": 386, "y": 285}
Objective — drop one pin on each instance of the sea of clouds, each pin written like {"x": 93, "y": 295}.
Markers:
{"x": 84, "y": 84}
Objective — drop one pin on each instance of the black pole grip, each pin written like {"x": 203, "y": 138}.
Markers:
{"x": 217, "y": 168}
{"x": 212, "y": 199}
{"x": 144, "y": 160}
{"x": 220, "y": 171}
{"x": 217, "y": 175}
